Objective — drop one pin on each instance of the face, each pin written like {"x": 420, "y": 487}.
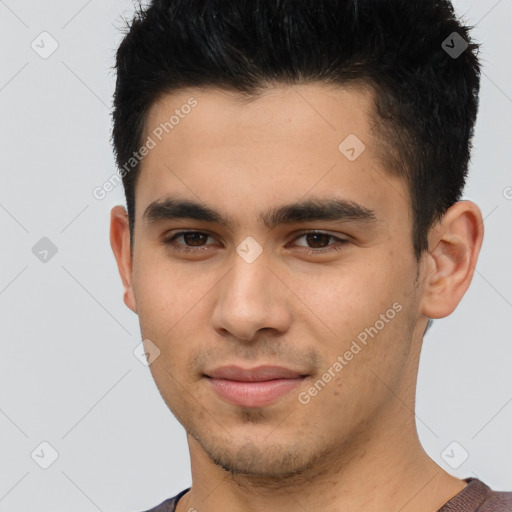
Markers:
{"x": 322, "y": 289}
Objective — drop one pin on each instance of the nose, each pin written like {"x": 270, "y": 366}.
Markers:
{"x": 252, "y": 297}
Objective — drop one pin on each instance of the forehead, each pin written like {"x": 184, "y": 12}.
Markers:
{"x": 313, "y": 111}
{"x": 278, "y": 147}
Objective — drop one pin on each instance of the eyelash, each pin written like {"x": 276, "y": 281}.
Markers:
{"x": 187, "y": 249}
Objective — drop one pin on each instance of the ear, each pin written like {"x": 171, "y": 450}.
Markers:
{"x": 455, "y": 243}
{"x": 120, "y": 243}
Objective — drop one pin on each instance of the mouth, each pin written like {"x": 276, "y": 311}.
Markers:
{"x": 254, "y": 387}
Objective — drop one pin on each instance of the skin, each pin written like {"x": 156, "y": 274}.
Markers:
{"x": 354, "y": 446}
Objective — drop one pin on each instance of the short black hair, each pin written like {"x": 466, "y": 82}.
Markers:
{"x": 416, "y": 56}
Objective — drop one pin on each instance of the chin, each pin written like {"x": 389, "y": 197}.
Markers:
{"x": 268, "y": 458}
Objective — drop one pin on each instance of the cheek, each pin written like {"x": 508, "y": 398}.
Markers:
{"x": 360, "y": 366}
{"x": 166, "y": 293}
{"x": 173, "y": 313}
{"x": 350, "y": 297}
{"x": 360, "y": 314}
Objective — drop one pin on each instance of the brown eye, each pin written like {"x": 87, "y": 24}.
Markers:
{"x": 318, "y": 239}
{"x": 318, "y": 242}
{"x": 191, "y": 239}
{"x": 195, "y": 238}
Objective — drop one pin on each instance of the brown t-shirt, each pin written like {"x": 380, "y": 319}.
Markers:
{"x": 475, "y": 497}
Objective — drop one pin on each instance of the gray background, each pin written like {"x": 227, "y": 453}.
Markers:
{"x": 68, "y": 375}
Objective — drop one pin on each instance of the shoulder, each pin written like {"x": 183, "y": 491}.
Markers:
{"x": 168, "y": 505}
{"x": 497, "y": 501}
{"x": 479, "y": 497}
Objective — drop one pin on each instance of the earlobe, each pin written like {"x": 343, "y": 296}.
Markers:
{"x": 455, "y": 245}
{"x": 120, "y": 243}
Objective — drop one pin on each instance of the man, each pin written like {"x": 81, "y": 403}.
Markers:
{"x": 293, "y": 173}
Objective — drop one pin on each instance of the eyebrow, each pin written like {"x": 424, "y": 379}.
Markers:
{"x": 340, "y": 210}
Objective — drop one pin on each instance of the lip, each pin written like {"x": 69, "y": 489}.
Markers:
{"x": 257, "y": 374}
{"x": 253, "y": 387}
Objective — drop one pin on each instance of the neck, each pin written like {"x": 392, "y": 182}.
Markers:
{"x": 385, "y": 468}
{"x": 382, "y": 466}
